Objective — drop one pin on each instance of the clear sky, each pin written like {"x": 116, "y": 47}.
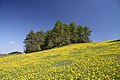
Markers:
{"x": 18, "y": 17}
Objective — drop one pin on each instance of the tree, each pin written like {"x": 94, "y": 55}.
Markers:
{"x": 66, "y": 34}
{"x": 73, "y": 33}
{"x": 87, "y": 33}
{"x": 58, "y": 33}
{"x": 15, "y": 52}
{"x": 40, "y": 38}
{"x": 83, "y": 33}
{"x": 30, "y": 42}
{"x": 48, "y": 44}
{"x": 80, "y": 34}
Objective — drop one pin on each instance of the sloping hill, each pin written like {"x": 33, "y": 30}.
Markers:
{"x": 97, "y": 61}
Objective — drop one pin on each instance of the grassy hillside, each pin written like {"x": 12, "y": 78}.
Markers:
{"x": 97, "y": 61}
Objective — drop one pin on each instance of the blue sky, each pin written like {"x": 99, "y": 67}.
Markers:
{"x": 18, "y": 17}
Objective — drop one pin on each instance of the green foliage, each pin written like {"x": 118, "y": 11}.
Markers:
{"x": 66, "y": 34}
{"x": 73, "y": 33}
{"x": 48, "y": 44}
{"x": 15, "y": 52}
{"x": 40, "y": 39}
{"x": 83, "y": 33}
{"x": 61, "y": 34}
{"x": 30, "y": 42}
{"x": 58, "y": 32}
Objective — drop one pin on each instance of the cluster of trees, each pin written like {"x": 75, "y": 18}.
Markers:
{"x": 61, "y": 34}
{"x": 11, "y": 53}
{"x": 15, "y": 52}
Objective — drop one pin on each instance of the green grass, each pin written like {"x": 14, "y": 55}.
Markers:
{"x": 89, "y": 61}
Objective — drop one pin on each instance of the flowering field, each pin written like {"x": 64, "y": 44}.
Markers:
{"x": 88, "y": 61}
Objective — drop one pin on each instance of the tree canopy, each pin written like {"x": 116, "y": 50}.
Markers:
{"x": 61, "y": 34}
{"x": 15, "y": 52}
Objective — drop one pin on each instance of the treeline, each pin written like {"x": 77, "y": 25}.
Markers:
{"x": 61, "y": 34}
{"x": 11, "y": 53}
{"x": 15, "y": 52}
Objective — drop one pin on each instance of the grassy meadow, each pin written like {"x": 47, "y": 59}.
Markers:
{"x": 87, "y": 61}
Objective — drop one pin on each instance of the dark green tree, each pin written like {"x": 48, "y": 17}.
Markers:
{"x": 73, "y": 33}
{"x": 15, "y": 52}
{"x": 40, "y": 38}
{"x": 66, "y": 35}
{"x": 80, "y": 34}
{"x": 30, "y": 42}
{"x": 83, "y": 33}
{"x": 87, "y": 33}
{"x": 58, "y": 33}
{"x": 48, "y": 44}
